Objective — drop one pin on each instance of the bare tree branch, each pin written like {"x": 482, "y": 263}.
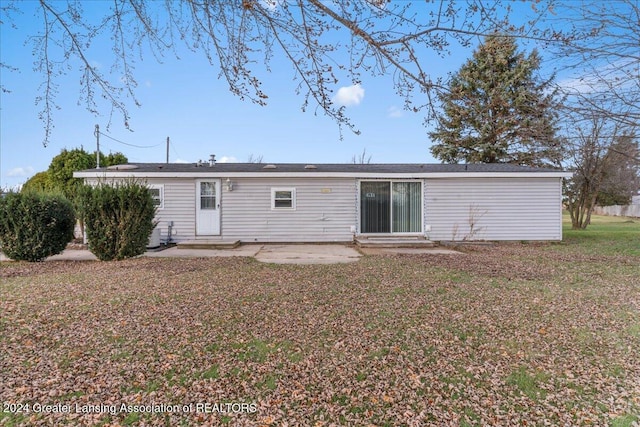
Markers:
{"x": 91, "y": 76}
{"x": 324, "y": 42}
{"x": 605, "y": 61}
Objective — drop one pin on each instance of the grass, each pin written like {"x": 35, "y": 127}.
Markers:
{"x": 628, "y": 420}
{"x": 529, "y": 384}
{"x": 514, "y": 334}
{"x": 605, "y": 235}
{"x": 211, "y": 373}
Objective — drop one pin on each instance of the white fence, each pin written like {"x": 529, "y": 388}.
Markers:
{"x": 618, "y": 210}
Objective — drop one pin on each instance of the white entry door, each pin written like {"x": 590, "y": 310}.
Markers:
{"x": 208, "y": 207}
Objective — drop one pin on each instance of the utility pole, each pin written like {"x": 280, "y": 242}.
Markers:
{"x": 167, "y": 150}
{"x": 97, "y": 134}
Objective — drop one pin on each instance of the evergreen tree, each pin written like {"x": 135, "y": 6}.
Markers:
{"x": 497, "y": 110}
{"x": 621, "y": 178}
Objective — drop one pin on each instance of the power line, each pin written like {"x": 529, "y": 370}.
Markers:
{"x": 173, "y": 147}
{"x": 125, "y": 143}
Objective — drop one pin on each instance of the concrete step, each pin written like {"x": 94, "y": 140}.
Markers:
{"x": 208, "y": 244}
{"x": 394, "y": 242}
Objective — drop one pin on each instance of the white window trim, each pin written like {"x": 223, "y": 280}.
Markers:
{"x": 273, "y": 198}
{"x": 159, "y": 187}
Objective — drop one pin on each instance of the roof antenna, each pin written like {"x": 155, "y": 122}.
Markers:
{"x": 212, "y": 160}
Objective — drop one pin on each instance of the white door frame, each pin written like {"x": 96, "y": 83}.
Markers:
{"x": 208, "y": 217}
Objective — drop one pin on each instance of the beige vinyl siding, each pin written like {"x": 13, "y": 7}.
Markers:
{"x": 502, "y": 208}
{"x": 509, "y": 208}
{"x": 179, "y": 207}
{"x": 325, "y": 210}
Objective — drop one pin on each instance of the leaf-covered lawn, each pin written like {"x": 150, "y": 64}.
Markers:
{"x": 512, "y": 334}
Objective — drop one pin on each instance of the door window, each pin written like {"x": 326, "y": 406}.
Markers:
{"x": 207, "y": 195}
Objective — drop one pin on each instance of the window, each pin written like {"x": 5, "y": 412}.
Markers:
{"x": 157, "y": 192}
{"x": 283, "y": 198}
{"x": 207, "y": 195}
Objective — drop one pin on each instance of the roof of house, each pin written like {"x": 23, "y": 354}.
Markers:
{"x": 321, "y": 169}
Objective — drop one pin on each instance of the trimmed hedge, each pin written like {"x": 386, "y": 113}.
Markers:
{"x": 118, "y": 219}
{"x": 34, "y": 226}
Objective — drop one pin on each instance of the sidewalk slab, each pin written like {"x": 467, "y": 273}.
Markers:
{"x": 269, "y": 253}
{"x": 307, "y": 254}
{"x": 66, "y": 255}
{"x": 209, "y": 244}
{"x": 73, "y": 255}
{"x": 175, "y": 252}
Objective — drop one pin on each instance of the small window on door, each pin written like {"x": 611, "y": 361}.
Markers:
{"x": 207, "y": 195}
{"x": 283, "y": 198}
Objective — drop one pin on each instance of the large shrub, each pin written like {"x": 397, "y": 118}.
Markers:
{"x": 118, "y": 219}
{"x": 35, "y": 225}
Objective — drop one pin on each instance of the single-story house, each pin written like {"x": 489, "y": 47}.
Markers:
{"x": 257, "y": 202}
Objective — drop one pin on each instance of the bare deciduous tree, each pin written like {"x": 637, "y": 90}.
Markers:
{"x": 593, "y": 154}
{"x": 253, "y": 158}
{"x": 362, "y": 158}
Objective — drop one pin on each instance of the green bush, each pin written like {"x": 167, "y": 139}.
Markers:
{"x": 34, "y": 225}
{"x": 118, "y": 219}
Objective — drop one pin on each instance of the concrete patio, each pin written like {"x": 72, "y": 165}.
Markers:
{"x": 269, "y": 253}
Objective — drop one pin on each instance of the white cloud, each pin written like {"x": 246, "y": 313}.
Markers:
{"x": 617, "y": 76}
{"x": 579, "y": 85}
{"x": 28, "y": 171}
{"x": 394, "y": 112}
{"x": 271, "y": 5}
{"x": 349, "y": 96}
{"x": 181, "y": 161}
{"x": 227, "y": 159}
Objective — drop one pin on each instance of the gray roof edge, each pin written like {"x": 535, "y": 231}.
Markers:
{"x": 389, "y": 168}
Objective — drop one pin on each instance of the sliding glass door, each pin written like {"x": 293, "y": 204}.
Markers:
{"x": 375, "y": 207}
{"x": 406, "y": 209}
{"x": 390, "y": 207}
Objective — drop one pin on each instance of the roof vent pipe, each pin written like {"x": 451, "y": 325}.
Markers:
{"x": 212, "y": 160}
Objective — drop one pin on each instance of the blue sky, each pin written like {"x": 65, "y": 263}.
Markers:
{"x": 185, "y": 101}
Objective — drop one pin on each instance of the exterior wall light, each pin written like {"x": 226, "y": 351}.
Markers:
{"x": 228, "y": 184}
